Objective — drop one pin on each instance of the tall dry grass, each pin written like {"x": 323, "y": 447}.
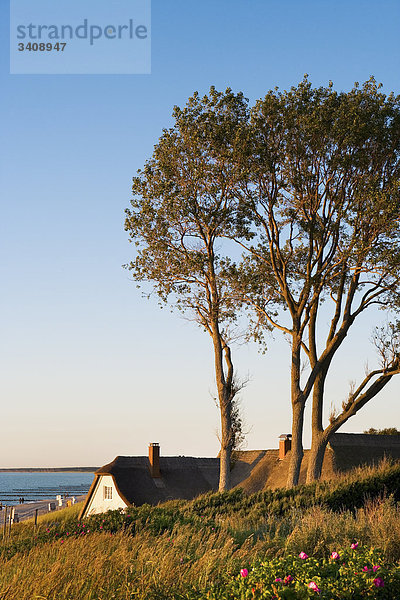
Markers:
{"x": 320, "y": 531}
{"x": 105, "y": 567}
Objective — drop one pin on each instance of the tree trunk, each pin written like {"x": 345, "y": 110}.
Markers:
{"x": 224, "y": 470}
{"x": 226, "y": 449}
{"x": 319, "y": 440}
{"x": 317, "y": 453}
{"x": 224, "y": 385}
{"x": 296, "y": 455}
{"x": 298, "y": 405}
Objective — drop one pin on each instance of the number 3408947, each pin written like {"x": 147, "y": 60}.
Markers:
{"x": 42, "y": 47}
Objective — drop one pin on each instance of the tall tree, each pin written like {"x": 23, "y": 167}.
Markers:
{"x": 323, "y": 197}
{"x": 183, "y": 206}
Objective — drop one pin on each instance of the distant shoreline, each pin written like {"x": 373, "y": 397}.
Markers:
{"x": 51, "y": 470}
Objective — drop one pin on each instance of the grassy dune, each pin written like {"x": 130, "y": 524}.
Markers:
{"x": 196, "y": 549}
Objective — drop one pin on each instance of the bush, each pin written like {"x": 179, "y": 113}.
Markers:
{"x": 350, "y": 574}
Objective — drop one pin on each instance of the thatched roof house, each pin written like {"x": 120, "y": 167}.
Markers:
{"x": 138, "y": 480}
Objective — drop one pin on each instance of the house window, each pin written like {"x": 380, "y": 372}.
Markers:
{"x": 107, "y": 492}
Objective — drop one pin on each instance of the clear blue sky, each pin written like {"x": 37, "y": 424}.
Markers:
{"x": 89, "y": 369}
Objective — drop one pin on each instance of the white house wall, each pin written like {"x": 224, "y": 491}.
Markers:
{"x": 98, "y": 504}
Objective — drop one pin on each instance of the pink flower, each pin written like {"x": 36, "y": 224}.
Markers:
{"x": 375, "y": 568}
{"x": 366, "y": 569}
{"x": 303, "y": 555}
{"x": 244, "y": 572}
{"x": 313, "y": 586}
{"x": 354, "y": 546}
{"x": 288, "y": 579}
{"x": 379, "y": 582}
{"x": 278, "y": 579}
{"x": 335, "y": 555}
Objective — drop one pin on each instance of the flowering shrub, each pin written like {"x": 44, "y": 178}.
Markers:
{"x": 313, "y": 586}
{"x": 378, "y": 582}
{"x": 349, "y": 573}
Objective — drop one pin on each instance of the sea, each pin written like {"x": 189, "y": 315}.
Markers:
{"x": 36, "y": 486}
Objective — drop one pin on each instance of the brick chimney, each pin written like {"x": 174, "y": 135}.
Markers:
{"x": 285, "y": 444}
{"x": 154, "y": 459}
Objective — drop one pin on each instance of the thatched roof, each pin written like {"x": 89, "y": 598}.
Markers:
{"x": 181, "y": 477}
{"x": 355, "y": 449}
{"x": 260, "y": 470}
{"x": 268, "y": 472}
{"x": 391, "y": 442}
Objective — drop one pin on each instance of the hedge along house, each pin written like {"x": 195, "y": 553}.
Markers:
{"x": 135, "y": 480}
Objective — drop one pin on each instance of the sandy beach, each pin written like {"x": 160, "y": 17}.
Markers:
{"x": 27, "y": 510}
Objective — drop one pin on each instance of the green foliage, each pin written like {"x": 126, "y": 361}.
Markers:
{"x": 356, "y": 574}
{"x": 324, "y": 182}
{"x": 184, "y": 203}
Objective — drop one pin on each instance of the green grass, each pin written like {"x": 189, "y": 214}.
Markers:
{"x": 196, "y": 549}
{"x": 65, "y": 514}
